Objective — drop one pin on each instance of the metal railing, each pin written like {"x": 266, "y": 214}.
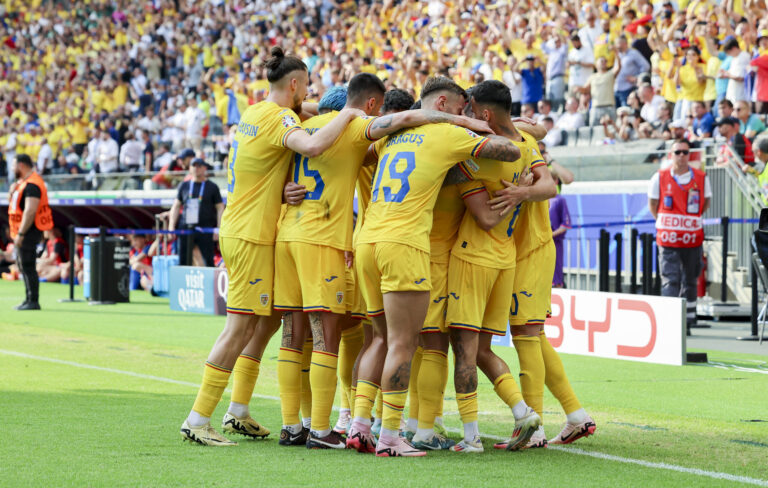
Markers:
{"x": 736, "y": 195}
{"x": 119, "y": 181}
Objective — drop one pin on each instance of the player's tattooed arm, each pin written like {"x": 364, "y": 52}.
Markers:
{"x": 455, "y": 176}
{"x": 388, "y": 124}
{"x": 499, "y": 148}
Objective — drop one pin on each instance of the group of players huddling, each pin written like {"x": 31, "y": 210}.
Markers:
{"x": 452, "y": 243}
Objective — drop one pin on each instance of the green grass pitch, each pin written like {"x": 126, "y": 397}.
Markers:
{"x": 94, "y": 396}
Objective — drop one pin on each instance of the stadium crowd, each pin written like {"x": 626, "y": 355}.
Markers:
{"x": 108, "y": 86}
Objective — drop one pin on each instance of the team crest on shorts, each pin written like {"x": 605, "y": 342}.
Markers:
{"x": 264, "y": 300}
{"x": 339, "y": 297}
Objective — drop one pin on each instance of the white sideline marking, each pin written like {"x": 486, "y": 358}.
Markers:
{"x": 571, "y": 450}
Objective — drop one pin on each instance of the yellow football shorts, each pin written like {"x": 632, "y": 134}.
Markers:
{"x": 478, "y": 297}
{"x": 353, "y": 300}
{"x": 251, "y": 271}
{"x": 438, "y": 297}
{"x": 532, "y": 298}
{"x": 309, "y": 278}
{"x": 387, "y": 266}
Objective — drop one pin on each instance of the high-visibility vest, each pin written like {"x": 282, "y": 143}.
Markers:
{"x": 680, "y": 207}
{"x": 43, "y": 216}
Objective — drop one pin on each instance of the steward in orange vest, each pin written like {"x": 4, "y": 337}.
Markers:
{"x": 28, "y": 216}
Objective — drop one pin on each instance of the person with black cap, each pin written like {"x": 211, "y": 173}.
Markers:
{"x": 729, "y": 129}
{"x": 199, "y": 204}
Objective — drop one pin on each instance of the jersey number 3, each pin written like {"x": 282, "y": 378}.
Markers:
{"x": 390, "y": 167}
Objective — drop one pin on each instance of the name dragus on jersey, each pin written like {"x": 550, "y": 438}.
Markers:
{"x": 417, "y": 139}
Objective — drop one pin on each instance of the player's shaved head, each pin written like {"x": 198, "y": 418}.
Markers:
{"x": 364, "y": 86}
{"x": 492, "y": 95}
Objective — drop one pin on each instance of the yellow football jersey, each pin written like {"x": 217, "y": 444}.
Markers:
{"x": 256, "y": 171}
{"x": 412, "y": 166}
{"x": 533, "y": 222}
{"x": 446, "y": 218}
{"x": 494, "y": 248}
{"x": 325, "y": 215}
{"x": 363, "y": 189}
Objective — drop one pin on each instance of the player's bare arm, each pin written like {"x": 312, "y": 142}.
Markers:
{"x": 527, "y": 125}
{"x": 370, "y": 157}
{"x": 486, "y": 218}
{"x": 315, "y": 144}
{"x": 543, "y": 188}
{"x": 499, "y": 148}
{"x": 388, "y": 124}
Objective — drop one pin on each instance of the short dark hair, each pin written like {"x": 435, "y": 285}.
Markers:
{"x": 732, "y": 43}
{"x": 364, "y": 86}
{"x": 280, "y": 65}
{"x": 24, "y": 159}
{"x": 437, "y": 84}
{"x": 493, "y": 93}
{"x": 761, "y": 143}
{"x": 682, "y": 141}
{"x": 396, "y": 100}
{"x": 726, "y": 102}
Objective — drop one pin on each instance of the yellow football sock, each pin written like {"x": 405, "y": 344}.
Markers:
{"x": 379, "y": 405}
{"x": 289, "y": 379}
{"x": 467, "y": 403}
{"x": 364, "y": 398}
{"x": 433, "y": 364}
{"x": 306, "y": 387}
{"x": 394, "y": 403}
{"x": 555, "y": 377}
{"x": 244, "y": 376}
{"x": 413, "y": 384}
{"x": 215, "y": 379}
{"x": 507, "y": 389}
{"x": 322, "y": 376}
{"x": 443, "y": 383}
{"x": 531, "y": 370}
{"x": 351, "y": 344}
{"x": 352, "y": 395}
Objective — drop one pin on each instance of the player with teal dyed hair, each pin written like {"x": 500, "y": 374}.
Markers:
{"x": 333, "y": 100}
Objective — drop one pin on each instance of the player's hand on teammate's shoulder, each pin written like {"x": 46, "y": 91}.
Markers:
{"x": 474, "y": 125}
{"x": 293, "y": 193}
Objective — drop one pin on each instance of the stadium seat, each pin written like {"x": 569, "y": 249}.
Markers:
{"x": 216, "y": 126}
{"x": 570, "y": 137}
{"x": 598, "y": 135}
{"x": 563, "y": 137}
{"x": 585, "y": 136}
